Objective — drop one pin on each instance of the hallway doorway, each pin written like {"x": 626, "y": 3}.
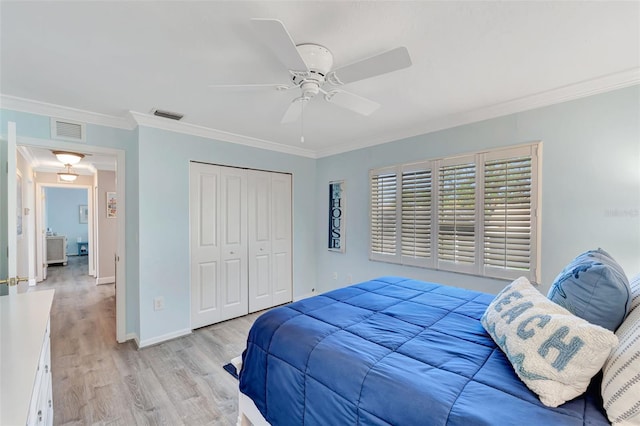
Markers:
{"x": 114, "y": 256}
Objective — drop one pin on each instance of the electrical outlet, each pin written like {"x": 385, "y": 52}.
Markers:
{"x": 335, "y": 275}
{"x": 158, "y": 303}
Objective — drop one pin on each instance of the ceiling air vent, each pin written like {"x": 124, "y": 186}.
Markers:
{"x": 168, "y": 114}
{"x": 67, "y": 130}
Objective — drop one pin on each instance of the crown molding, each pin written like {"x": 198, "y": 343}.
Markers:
{"x": 131, "y": 120}
{"x": 607, "y": 83}
{"x": 28, "y": 155}
{"x": 206, "y": 132}
{"x": 51, "y": 110}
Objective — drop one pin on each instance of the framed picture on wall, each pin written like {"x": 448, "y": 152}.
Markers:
{"x": 112, "y": 205}
{"x": 336, "y": 216}
{"x": 84, "y": 214}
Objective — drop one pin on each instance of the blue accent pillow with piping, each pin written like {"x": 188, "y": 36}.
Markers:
{"x": 593, "y": 287}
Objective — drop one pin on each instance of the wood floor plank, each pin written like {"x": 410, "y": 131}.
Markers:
{"x": 97, "y": 381}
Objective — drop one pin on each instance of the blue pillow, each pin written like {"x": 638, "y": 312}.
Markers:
{"x": 593, "y": 287}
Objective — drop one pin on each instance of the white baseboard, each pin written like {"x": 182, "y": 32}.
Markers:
{"x": 134, "y": 337}
{"x": 105, "y": 280}
{"x": 163, "y": 338}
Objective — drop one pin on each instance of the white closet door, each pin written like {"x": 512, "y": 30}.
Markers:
{"x": 281, "y": 238}
{"x": 259, "y": 231}
{"x": 218, "y": 244}
{"x": 269, "y": 231}
{"x": 233, "y": 255}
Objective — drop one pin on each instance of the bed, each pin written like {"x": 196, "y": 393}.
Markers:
{"x": 390, "y": 351}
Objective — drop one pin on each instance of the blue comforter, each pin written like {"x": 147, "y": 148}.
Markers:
{"x": 391, "y": 351}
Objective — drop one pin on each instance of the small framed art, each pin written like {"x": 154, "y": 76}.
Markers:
{"x": 84, "y": 214}
{"x": 112, "y": 205}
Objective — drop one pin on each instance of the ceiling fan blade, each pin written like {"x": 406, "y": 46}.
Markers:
{"x": 352, "y": 101}
{"x": 277, "y": 86}
{"x": 383, "y": 63}
{"x": 295, "y": 110}
{"x": 275, "y": 35}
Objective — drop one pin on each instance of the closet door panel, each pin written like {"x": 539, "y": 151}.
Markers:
{"x": 232, "y": 190}
{"x": 233, "y": 195}
{"x": 259, "y": 230}
{"x": 261, "y": 207}
{"x": 205, "y": 244}
{"x": 281, "y": 241}
{"x": 263, "y": 272}
{"x": 232, "y": 279}
{"x": 207, "y": 280}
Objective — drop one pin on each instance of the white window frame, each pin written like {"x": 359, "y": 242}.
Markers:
{"x": 534, "y": 150}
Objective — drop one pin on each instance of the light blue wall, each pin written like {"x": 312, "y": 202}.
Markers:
{"x": 63, "y": 215}
{"x": 164, "y": 219}
{"x": 590, "y": 186}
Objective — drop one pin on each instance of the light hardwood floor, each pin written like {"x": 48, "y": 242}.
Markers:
{"x": 98, "y": 381}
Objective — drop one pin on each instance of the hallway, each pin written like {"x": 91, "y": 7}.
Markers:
{"x": 98, "y": 381}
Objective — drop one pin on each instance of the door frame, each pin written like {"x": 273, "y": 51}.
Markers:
{"x": 12, "y": 173}
{"x": 121, "y": 257}
{"x": 40, "y": 221}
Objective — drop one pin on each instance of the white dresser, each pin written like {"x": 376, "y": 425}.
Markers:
{"x": 25, "y": 359}
{"x": 57, "y": 249}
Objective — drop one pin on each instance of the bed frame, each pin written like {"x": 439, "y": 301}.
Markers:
{"x": 248, "y": 413}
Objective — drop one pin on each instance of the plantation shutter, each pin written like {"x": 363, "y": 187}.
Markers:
{"x": 508, "y": 216}
{"x": 383, "y": 214}
{"x": 476, "y": 213}
{"x": 416, "y": 217}
{"x": 457, "y": 214}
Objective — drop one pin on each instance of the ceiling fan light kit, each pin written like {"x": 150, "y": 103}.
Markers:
{"x": 310, "y": 67}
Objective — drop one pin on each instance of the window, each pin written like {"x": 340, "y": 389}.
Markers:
{"x": 416, "y": 214}
{"x": 457, "y": 213}
{"x": 383, "y": 214}
{"x": 473, "y": 214}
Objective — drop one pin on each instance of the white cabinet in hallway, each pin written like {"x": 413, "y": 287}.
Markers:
{"x": 240, "y": 229}
{"x": 56, "y": 249}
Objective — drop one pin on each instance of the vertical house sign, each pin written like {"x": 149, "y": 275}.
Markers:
{"x": 336, "y": 216}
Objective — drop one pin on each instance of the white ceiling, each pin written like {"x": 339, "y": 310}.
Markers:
{"x": 471, "y": 60}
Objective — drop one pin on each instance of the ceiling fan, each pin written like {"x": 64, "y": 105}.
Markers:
{"x": 310, "y": 68}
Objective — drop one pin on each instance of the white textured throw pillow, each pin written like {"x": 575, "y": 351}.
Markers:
{"x": 553, "y": 352}
{"x": 621, "y": 378}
